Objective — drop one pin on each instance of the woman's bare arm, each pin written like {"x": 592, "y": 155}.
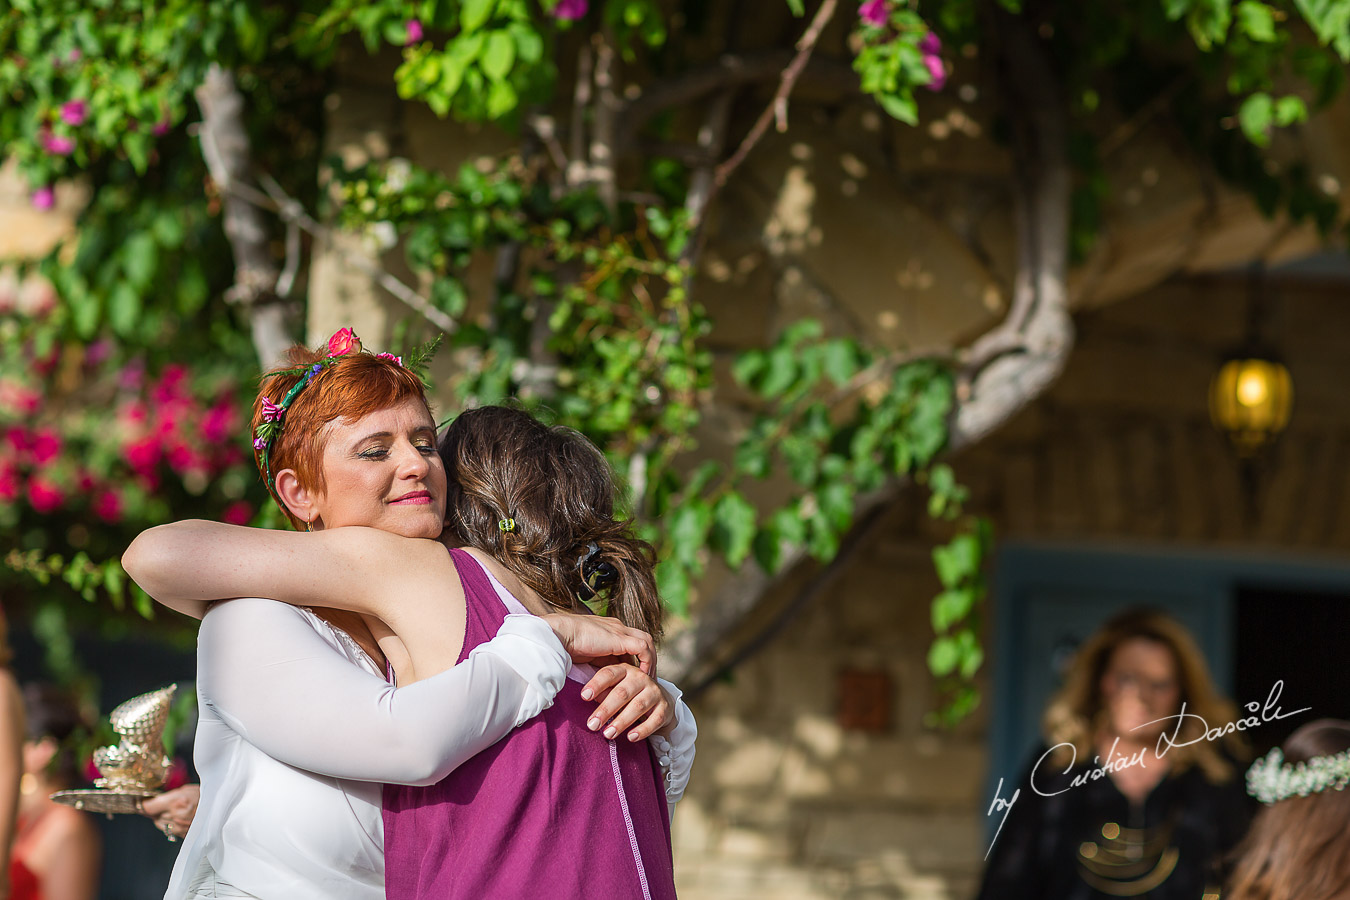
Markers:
{"x": 186, "y": 565}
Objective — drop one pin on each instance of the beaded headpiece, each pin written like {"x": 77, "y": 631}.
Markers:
{"x": 1271, "y": 779}
{"x": 342, "y": 344}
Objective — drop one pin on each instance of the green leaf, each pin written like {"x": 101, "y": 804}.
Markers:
{"x": 943, "y": 656}
{"x": 498, "y": 55}
{"x": 501, "y": 99}
{"x": 734, "y": 527}
{"x": 1256, "y": 115}
{"x": 900, "y": 107}
{"x": 474, "y": 13}
{"x": 688, "y": 530}
{"x": 798, "y": 7}
{"x": 958, "y": 561}
{"x": 672, "y": 582}
{"x": 124, "y": 309}
{"x": 1289, "y": 110}
{"x": 950, "y": 607}
{"x": 1256, "y": 20}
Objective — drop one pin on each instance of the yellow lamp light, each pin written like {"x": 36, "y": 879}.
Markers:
{"x": 1250, "y": 400}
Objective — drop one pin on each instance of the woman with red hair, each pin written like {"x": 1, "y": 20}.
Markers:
{"x": 346, "y": 439}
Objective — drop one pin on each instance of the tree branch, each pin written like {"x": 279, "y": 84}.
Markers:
{"x": 225, "y": 147}
{"x": 1015, "y": 363}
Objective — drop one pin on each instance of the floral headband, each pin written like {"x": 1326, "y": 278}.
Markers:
{"x": 1271, "y": 779}
{"x": 342, "y": 344}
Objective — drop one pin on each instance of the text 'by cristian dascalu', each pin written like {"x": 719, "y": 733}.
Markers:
{"x": 1260, "y": 714}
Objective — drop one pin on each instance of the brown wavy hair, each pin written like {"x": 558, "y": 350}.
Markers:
{"x": 1297, "y": 848}
{"x": 1076, "y": 712}
{"x": 502, "y": 463}
{"x": 352, "y": 387}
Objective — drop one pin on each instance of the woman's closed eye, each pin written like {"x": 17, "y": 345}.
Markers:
{"x": 377, "y": 453}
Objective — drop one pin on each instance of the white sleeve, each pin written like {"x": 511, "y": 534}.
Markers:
{"x": 675, "y": 752}
{"x": 269, "y": 676}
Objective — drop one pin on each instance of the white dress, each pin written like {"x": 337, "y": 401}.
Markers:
{"x": 298, "y": 728}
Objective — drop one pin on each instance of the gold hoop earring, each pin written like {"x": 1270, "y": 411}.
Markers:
{"x": 309, "y": 526}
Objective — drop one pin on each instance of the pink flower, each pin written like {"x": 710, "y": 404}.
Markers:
{"x": 177, "y": 776}
{"x": 259, "y": 443}
{"x": 142, "y": 455}
{"x": 57, "y": 145}
{"x": 44, "y": 496}
{"x": 875, "y": 13}
{"x": 9, "y": 483}
{"x": 390, "y": 356}
{"x": 414, "y": 32}
{"x": 46, "y": 446}
{"x": 931, "y": 45}
{"x": 343, "y": 342}
{"x": 84, "y": 481}
{"x": 73, "y": 56}
{"x": 20, "y": 440}
{"x": 183, "y": 458}
{"x": 571, "y": 10}
{"x": 44, "y": 197}
{"x": 17, "y": 398}
{"x": 937, "y": 72}
{"x": 97, "y": 352}
{"x": 74, "y": 112}
{"x": 161, "y": 127}
{"x": 270, "y": 411}
{"x": 218, "y": 422}
{"x": 240, "y": 512}
{"x": 108, "y": 505}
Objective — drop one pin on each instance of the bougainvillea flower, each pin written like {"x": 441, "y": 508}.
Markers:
{"x": 142, "y": 455}
{"x": 931, "y": 44}
{"x": 343, "y": 342}
{"x": 44, "y": 496}
{"x": 240, "y": 512}
{"x": 414, "y": 32}
{"x": 937, "y": 72}
{"x": 46, "y": 446}
{"x": 74, "y": 112}
{"x": 57, "y": 145}
{"x": 44, "y": 197}
{"x": 570, "y": 10}
{"x": 874, "y": 12}
{"x": 9, "y": 483}
{"x": 108, "y": 505}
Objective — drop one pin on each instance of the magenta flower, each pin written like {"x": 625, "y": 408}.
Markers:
{"x": 260, "y": 443}
{"x": 240, "y": 512}
{"x": 270, "y": 411}
{"x": 44, "y": 197}
{"x": 931, "y": 45}
{"x": 44, "y": 496}
{"x": 57, "y": 145}
{"x": 570, "y": 10}
{"x": 218, "y": 422}
{"x": 74, "y": 112}
{"x": 414, "y": 32}
{"x": 874, "y": 12}
{"x": 937, "y": 72}
{"x": 142, "y": 455}
{"x": 108, "y": 505}
{"x": 161, "y": 128}
{"x": 390, "y": 356}
{"x": 9, "y": 483}
{"x": 46, "y": 446}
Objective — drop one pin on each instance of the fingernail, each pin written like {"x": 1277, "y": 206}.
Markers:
{"x": 593, "y": 724}
{"x": 609, "y": 733}
{"x": 632, "y": 735}
{"x": 586, "y": 694}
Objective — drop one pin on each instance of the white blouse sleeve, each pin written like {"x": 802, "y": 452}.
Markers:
{"x": 675, "y": 752}
{"x": 269, "y": 676}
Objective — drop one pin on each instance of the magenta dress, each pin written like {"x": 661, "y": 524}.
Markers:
{"x": 553, "y": 810}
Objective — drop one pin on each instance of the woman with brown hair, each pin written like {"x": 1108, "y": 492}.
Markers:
{"x": 1297, "y": 847}
{"x": 346, "y": 443}
{"x": 1128, "y": 798}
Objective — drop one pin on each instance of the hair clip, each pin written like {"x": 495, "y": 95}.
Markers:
{"x": 506, "y": 525}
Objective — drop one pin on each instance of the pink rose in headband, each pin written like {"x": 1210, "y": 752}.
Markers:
{"x": 344, "y": 342}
